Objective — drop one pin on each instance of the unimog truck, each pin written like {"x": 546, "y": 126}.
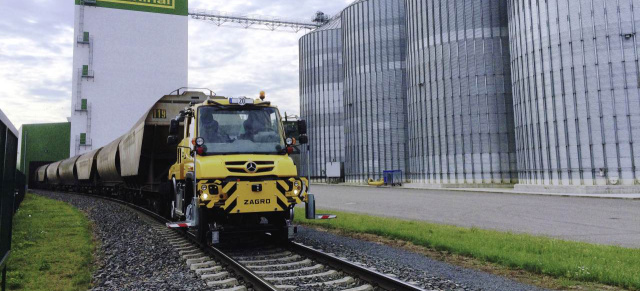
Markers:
{"x": 234, "y": 172}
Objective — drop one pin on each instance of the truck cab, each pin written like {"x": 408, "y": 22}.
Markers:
{"x": 233, "y": 171}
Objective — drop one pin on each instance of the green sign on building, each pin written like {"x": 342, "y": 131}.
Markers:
{"x": 176, "y": 7}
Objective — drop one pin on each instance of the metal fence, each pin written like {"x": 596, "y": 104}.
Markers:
{"x": 12, "y": 191}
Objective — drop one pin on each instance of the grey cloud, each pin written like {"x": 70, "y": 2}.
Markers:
{"x": 48, "y": 93}
{"x": 230, "y": 61}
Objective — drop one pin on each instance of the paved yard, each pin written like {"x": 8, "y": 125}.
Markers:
{"x": 595, "y": 220}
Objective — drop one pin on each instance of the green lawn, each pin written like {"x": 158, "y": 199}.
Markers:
{"x": 578, "y": 261}
{"x": 52, "y": 247}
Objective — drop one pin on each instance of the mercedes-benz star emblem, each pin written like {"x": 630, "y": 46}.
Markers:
{"x": 252, "y": 167}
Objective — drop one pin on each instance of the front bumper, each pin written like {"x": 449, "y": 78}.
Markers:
{"x": 237, "y": 197}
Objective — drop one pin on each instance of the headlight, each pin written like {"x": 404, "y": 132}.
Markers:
{"x": 297, "y": 188}
{"x": 204, "y": 188}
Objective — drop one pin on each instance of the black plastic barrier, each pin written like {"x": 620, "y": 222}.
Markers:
{"x": 12, "y": 191}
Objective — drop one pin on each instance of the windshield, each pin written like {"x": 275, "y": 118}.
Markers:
{"x": 242, "y": 130}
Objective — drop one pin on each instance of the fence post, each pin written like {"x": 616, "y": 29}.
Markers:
{"x": 4, "y": 278}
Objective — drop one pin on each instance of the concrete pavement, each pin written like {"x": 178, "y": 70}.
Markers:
{"x": 601, "y": 221}
{"x": 561, "y": 191}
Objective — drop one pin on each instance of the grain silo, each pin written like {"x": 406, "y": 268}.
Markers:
{"x": 374, "y": 35}
{"x": 459, "y": 98}
{"x": 321, "y": 104}
{"x": 576, "y": 97}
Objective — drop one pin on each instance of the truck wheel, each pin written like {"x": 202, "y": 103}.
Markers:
{"x": 203, "y": 225}
{"x": 164, "y": 199}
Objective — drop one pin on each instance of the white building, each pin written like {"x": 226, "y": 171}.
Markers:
{"x": 127, "y": 55}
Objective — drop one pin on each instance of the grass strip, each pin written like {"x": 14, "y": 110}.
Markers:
{"x": 52, "y": 247}
{"x": 610, "y": 265}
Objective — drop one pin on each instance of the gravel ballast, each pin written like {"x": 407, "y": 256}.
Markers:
{"x": 407, "y": 266}
{"x": 131, "y": 254}
{"x": 134, "y": 256}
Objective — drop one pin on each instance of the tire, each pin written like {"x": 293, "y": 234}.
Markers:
{"x": 203, "y": 225}
{"x": 164, "y": 199}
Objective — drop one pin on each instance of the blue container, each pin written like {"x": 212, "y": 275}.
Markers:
{"x": 392, "y": 178}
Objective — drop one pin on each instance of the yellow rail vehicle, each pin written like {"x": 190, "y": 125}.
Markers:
{"x": 244, "y": 178}
{"x": 221, "y": 165}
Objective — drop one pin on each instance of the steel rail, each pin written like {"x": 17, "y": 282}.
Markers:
{"x": 249, "y": 276}
{"x": 376, "y": 278}
{"x": 258, "y": 283}
{"x": 251, "y": 279}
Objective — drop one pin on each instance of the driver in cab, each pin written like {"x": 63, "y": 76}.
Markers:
{"x": 210, "y": 130}
{"x": 255, "y": 124}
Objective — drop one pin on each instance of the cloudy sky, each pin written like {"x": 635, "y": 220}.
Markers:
{"x": 36, "y": 50}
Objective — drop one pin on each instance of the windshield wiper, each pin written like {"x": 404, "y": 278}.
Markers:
{"x": 244, "y": 153}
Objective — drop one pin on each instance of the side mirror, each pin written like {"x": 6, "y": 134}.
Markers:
{"x": 302, "y": 127}
{"x": 173, "y": 140}
{"x": 303, "y": 139}
{"x": 173, "y": 128}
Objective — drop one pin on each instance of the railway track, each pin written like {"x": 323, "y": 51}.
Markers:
{"x": 292, "y": 266}
{"x": 298, "y": 267}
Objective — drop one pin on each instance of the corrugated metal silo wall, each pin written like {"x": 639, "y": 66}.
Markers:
{"x": 375, "y": 88}
{"x": 459, "y": 101}
{"x": 322, "y": 106}
{"x": 576, "y": 97}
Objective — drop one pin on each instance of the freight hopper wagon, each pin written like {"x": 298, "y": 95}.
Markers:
{"x": 220, "y": 166}
{"x": 133, "y": 167}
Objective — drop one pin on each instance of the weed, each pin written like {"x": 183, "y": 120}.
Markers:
{"x": 574, "y": 261}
